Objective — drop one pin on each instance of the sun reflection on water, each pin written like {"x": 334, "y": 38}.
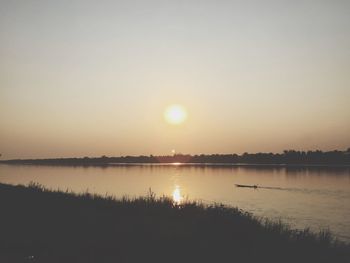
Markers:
{"x": 177, "y": 198}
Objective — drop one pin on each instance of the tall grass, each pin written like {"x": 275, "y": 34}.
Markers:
{"x": 46, "y": 225}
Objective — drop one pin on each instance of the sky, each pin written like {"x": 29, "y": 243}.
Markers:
{"x": 92, "y": 78}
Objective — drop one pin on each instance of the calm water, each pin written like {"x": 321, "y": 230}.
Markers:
{"x": 315, "y": 198}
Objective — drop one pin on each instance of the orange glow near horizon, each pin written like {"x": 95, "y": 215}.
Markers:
{"x": 109, "y": 78}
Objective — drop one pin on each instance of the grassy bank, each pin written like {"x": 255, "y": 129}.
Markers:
{"x": 39, "y": 225}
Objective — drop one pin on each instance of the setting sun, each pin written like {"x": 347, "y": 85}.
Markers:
{"x": 184, "y": 131}
{"x": 175, "y": 114}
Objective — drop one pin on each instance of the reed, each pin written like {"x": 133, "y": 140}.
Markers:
{"x": 47, "y": 225}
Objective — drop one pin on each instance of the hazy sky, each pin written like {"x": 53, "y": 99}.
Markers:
{"x": 87, "y": 78}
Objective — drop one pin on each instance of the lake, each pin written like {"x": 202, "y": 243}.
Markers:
{"x": 318, "y": 198}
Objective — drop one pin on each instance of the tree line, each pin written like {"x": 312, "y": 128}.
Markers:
{"x": 288, "y": 157}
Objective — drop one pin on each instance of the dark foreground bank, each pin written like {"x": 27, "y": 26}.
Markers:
{"x": 39, "y": 225}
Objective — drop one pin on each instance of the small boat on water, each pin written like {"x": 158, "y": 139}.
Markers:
{"x": 245, "y": 185}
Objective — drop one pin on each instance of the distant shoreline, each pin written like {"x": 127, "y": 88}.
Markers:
{"x": 289, "y": 158}
{"x": 213, "y": 165}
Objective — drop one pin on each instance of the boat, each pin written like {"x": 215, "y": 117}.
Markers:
{"x": 245, "y": 185}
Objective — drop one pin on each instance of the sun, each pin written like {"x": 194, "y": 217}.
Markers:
{"x": 175, "y": 114}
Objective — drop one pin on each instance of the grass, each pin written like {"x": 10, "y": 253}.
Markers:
{"x": 42, "y": 225}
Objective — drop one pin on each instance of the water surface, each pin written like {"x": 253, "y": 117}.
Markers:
{"x": 318, "y": 198}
